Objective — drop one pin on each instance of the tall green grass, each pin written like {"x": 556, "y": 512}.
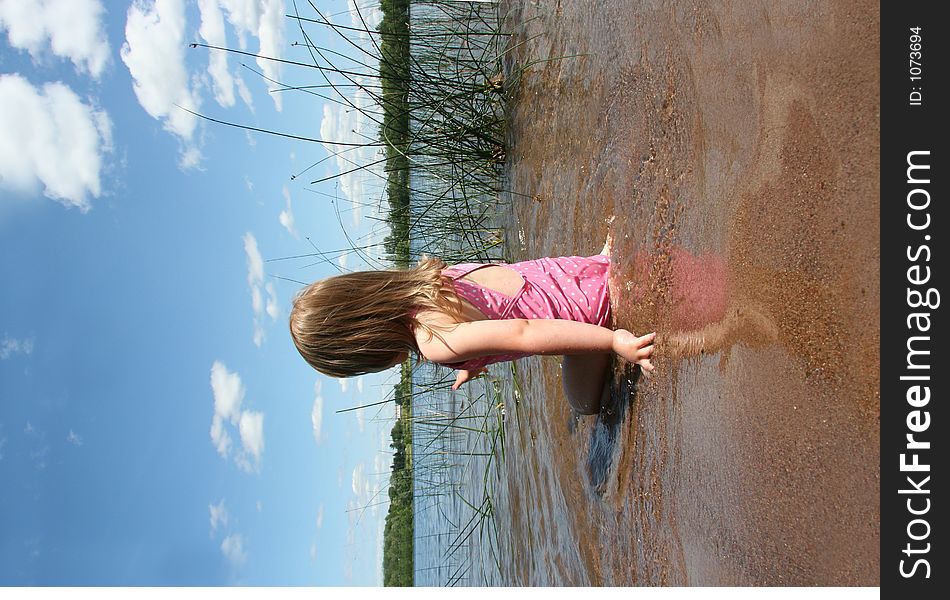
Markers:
{"x": 440, "y": 106}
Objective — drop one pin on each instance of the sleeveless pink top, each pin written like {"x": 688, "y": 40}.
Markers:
{"x": 573, "y": 288}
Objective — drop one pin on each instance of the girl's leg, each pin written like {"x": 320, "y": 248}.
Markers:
{"x": 584, "y": 377}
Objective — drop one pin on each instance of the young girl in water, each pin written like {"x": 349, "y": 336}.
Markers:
{"x": 468, "y": 316}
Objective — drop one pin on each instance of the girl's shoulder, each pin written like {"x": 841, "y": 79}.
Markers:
{"x": 462, "y": 269}
{"x": 432, "y": 319}
{"x": 429, "y": 323}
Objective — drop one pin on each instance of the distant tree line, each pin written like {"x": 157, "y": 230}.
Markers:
{"x": 398, "y": 535}
{"x": 394, "y": 131}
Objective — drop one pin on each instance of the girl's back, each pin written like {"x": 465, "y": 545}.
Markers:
{"x": 500, "y": 279}
{"x": 568, "y": 288}
{"x": 572, "y": 288}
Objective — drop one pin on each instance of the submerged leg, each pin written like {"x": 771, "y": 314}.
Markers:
{"x": 584, "y": 377}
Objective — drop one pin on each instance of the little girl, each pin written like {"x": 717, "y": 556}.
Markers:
{"x": 468, "y": 316}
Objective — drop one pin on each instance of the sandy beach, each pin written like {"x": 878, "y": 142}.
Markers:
{"x": 736, "y": 146}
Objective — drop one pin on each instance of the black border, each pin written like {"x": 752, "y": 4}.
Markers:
{"x": 906, "y": 128}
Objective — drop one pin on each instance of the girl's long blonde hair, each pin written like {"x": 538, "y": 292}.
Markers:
{"x": 360, "y": 322}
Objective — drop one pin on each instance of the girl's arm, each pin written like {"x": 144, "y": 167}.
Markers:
{"x": 533, "y": 336}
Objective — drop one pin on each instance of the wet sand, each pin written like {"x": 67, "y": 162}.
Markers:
{"x": 736, "y": 145}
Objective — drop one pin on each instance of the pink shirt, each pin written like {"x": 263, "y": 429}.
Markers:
{"x": 573, "y": 288}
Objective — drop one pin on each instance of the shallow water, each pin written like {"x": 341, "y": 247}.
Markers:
{"x": 736, "y": 147}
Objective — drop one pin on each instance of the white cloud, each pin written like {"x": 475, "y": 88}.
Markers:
{"x": 223, "y": 81}
{"x": 228, "y": 393}
{"x": 246, "y": 98}
{"x": 320, "y": 517}
{"x": 361, "y": 419}
{"x": 51, "y": 139}
{"x": 212, "y": 31}
{"x": 74, "y": 438}
{"x": 218, "y": 516}
{"x": 271, "y": 36}
{"x": 263, "y": 19}
{"x": 233, "y": 549}
{"x": 255, "y": 280}
{"x": 255, "y": 262}
{"x": 10, "y": 346}
{"x": 257, "y": 302}
{"x": 359, "y": 384}
{"x": 313, "y": 552}
{"x": 251, "y": 426}
{"x": 286, "y": 219}
{"x": 154, "y": 52}
{"x": 71, "y": 29}
{"x": 366, "y": 492}
{"x": 342, "y": 124}
{"x": 287, "y": 215}
{"x": 190, "y": 158}
{"x": 244, "y": 16}
{"x": 259, "y": 506}
{"x": 272, "y": 309}
{"x": 358, "y": 482}
{"x": 370, "y": 13}
{"x": 220, "y": 436}
{"x": 344, "y": 385}
{"x": 316, "y": 413}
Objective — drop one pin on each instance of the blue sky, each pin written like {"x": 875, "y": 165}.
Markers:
{"x": 156, "y": 423}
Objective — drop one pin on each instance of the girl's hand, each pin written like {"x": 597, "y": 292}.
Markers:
{"x": 465, "y": 375}
{"x": 635, "y": 349}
